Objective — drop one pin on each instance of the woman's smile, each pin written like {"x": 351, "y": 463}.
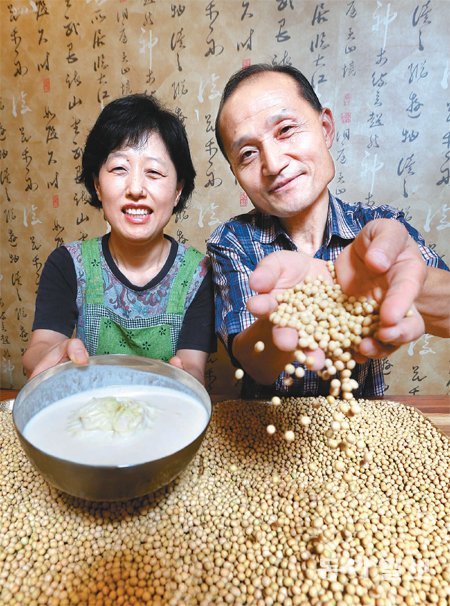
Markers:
{"x": 137, "y": 214}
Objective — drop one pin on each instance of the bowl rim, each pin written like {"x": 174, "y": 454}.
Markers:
{"x": 102, "y": 360}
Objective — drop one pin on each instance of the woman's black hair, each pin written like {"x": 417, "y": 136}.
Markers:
{"x": 305, "y": 89}
{"x": 127, "y": 122}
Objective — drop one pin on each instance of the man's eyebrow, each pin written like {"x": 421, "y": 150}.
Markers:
{"x": 281, "y": 115}
{"x": 271, "y": 121}
{"x": 238, "y": 144}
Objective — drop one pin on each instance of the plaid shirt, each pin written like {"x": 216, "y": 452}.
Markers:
{"x": 238, "y": 245}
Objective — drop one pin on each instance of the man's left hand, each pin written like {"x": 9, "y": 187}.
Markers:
{"x": 384, "y": 262}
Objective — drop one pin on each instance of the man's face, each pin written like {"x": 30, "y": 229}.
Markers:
{"x": 278, "y": 145}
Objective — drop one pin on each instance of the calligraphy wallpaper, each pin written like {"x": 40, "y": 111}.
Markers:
{"x": 382, "y": 67}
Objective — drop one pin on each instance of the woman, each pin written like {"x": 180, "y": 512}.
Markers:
{"x": 135, "y": 290}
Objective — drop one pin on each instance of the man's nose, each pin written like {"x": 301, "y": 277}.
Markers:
{"x": 273, "y": 158}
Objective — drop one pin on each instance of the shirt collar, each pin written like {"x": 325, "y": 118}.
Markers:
{"x": 269, "y": 228}
{"x": 340, "y": 223}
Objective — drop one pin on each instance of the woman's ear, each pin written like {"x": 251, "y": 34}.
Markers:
{"x": 179, "y": 191}
{"x": 97, "y": 188}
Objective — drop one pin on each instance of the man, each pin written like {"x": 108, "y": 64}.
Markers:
{"x": 277, "y": 138}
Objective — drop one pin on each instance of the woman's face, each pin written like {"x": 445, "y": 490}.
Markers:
{"x": 138, "y": 189}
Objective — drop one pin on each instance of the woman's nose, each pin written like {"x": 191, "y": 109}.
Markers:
{"x": 136, "y": 185}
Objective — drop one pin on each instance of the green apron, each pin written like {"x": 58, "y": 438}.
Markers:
{"x": 154, "y": 336}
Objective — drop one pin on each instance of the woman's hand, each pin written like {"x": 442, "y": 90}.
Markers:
{"x": 177, "y": 362}
{"x": 192, "y": 361}
{"x": 48, "y": 348}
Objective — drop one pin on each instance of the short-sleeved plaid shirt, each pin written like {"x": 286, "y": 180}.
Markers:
{"x": 238, "y": 245}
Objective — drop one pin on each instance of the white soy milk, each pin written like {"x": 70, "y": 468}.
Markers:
{"x": 177, "y": 419}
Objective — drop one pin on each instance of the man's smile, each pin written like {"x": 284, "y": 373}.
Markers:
{"x": 283, "y": 183}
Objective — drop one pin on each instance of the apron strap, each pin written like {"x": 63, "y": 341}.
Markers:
{"x": 93, "y": 269}
{"x": 183, "y": 279}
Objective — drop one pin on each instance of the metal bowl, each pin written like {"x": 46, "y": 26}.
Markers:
{"x": 105, "y": 483}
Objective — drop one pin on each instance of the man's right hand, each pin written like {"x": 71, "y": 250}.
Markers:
{"x": 274, "y": 274}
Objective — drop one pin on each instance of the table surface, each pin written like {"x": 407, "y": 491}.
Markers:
{"x": 435, "y": 408}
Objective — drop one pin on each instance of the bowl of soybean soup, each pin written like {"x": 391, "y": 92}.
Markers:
{"x": 118, "y": 428}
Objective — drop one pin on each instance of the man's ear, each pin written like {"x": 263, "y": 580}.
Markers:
{"x": 328, "y": 128}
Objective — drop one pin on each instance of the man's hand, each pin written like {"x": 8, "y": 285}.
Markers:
{"x": 384, "y": 262}
{"x": 274, "y": 274}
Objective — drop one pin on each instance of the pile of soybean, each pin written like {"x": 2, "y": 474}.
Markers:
{"x": 254, "y": 519}
{"x": 326, "y": 318}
